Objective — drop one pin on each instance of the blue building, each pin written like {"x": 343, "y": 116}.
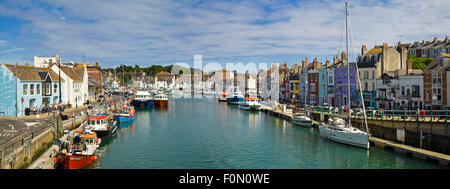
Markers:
{"x": 323, "y": 85}
{"x": 26, "y": 88}
{"x": 341, "y": 85}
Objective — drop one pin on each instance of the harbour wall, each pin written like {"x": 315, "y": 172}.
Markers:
{"x": 23, "y": 152}
{"x": 430, "y": 135}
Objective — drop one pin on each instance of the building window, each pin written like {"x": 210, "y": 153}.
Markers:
{"x": 25, "y": 89}
{"x": 55, "y": 88}
{"x": 366, "y": 86}
{"x": 415, "y": 91}
{"x": 48, "y": 88}
{"x": 31, "y": 89}
{"x": 38, "y": 89}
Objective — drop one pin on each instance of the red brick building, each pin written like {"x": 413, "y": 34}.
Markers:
{"x": 435, "y": 80}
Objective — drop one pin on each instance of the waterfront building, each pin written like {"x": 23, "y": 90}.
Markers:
{"x": 26, "y": 88}
{"x": 430, "y": 49}
{"x": 323, "y": 85}
{"x": 164, "y": 81}
{"x": 435, "y": 82}
{"x": 373, "y": 63}
{"x": 401, "y": 89}
{"x": 341, "y": 82}
{"x": 95, "y": 81}
{"x": 294, "y": 82}
{"x": 251, "y": 85}
{"x": 76, "y": 85}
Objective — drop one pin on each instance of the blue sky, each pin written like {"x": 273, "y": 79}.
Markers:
{"x": 163, "y": 32}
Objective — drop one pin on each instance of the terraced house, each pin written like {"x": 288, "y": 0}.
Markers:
{"x": 436, "y": 82}
{"x": 27, "y": 88}
{"x": 76, "y": 84}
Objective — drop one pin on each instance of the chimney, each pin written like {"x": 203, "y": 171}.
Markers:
{"x": 385, "y": 45}
{"x": 409, "y": 67}
{"x": 363, "y": 50}
{"x": 424, "y": 41}
{"x": 96, "y": 65}
{"x": 27, "y": 64}
{"x": 50, "y": 65}
{"x": 446, "y": 39}
{"x": 435, "y": 40}
{"x": 335, "y": 59}
{"x": 304, "y": 62}
{"x": 344, "y": 56}
{"x": 327, "y": 63}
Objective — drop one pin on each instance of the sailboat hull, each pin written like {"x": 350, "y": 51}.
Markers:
{"x": 358, "y": 139}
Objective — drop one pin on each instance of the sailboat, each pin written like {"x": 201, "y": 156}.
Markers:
{"x": 337, "y": 129}
{"x": 301, "y": 118}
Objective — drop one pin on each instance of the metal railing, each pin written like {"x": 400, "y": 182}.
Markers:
{"x": 393, "y": 114}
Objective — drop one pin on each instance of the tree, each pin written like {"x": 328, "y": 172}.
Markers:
{"x": 420, "y": 63}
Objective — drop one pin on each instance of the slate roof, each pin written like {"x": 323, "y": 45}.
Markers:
{"x": 71, "y": 73}
{"x": 31, "y": 73}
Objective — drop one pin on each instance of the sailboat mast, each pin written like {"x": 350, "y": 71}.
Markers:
{"x": 348, "y": 63}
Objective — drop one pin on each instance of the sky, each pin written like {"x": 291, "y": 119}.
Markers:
{"x": 147, "y": 32}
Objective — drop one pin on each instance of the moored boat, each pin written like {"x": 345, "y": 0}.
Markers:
{"x": 142, "y": 99}
{"x": 222, "y": 97}
{"x": 301, "y": 120}
{"x": 339, "y": 131}
{"x": 126, "y": 118}
{"x": 161, "y": 100}
{"x": 101, "y": 125}
{"x": 250, "y": 104}
{"x": 236, "y": 98}
{"x": 79, "y": 152}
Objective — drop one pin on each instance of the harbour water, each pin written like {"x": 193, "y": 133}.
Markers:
{"x": 205, "y": 134}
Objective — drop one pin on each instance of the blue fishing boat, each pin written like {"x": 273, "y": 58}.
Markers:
{"x": 125, "y": 119}
{"x": 236, "y": 98}
{"x": 142, "y": 99}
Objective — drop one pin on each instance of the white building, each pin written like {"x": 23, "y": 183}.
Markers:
{"x": 44, "y": 62}
{"x": 114, "y": 85}
{"x": 400, "y": 91}
{"x": 76, "y": 84}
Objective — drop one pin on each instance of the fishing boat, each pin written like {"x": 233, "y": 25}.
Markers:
{"x": 101, "y": 125}
{"x": 222, "y": 97}
{"x": 142, "y": 99}
{"x": 235, "y": 98}
{"x": 301, "y": 120}
{"x": 161, "y": 100}
{"x": 79, "y": 152}
{"x": 125, "y": 119}
{"x": 337, "y": 129}
{"x": 250, "y": 104}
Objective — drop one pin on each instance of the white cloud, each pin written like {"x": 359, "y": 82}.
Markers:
{"x": 151, "y": 32}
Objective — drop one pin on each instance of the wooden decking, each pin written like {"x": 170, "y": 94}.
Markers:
{"x": 416, "y": 152}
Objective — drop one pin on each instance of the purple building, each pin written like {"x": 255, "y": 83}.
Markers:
{"x": 341, "y": 83}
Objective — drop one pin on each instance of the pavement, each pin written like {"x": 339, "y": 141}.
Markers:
{"x": 13, "y": 129}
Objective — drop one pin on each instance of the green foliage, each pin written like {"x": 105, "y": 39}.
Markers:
{"x": 420, "y": 63}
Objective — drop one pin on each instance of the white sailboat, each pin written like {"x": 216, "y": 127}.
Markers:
{"x": 337, "y": 129}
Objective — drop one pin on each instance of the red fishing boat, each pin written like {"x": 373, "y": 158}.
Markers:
{"x": 161, "y": 100}
{"x": 79, "y": 152}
